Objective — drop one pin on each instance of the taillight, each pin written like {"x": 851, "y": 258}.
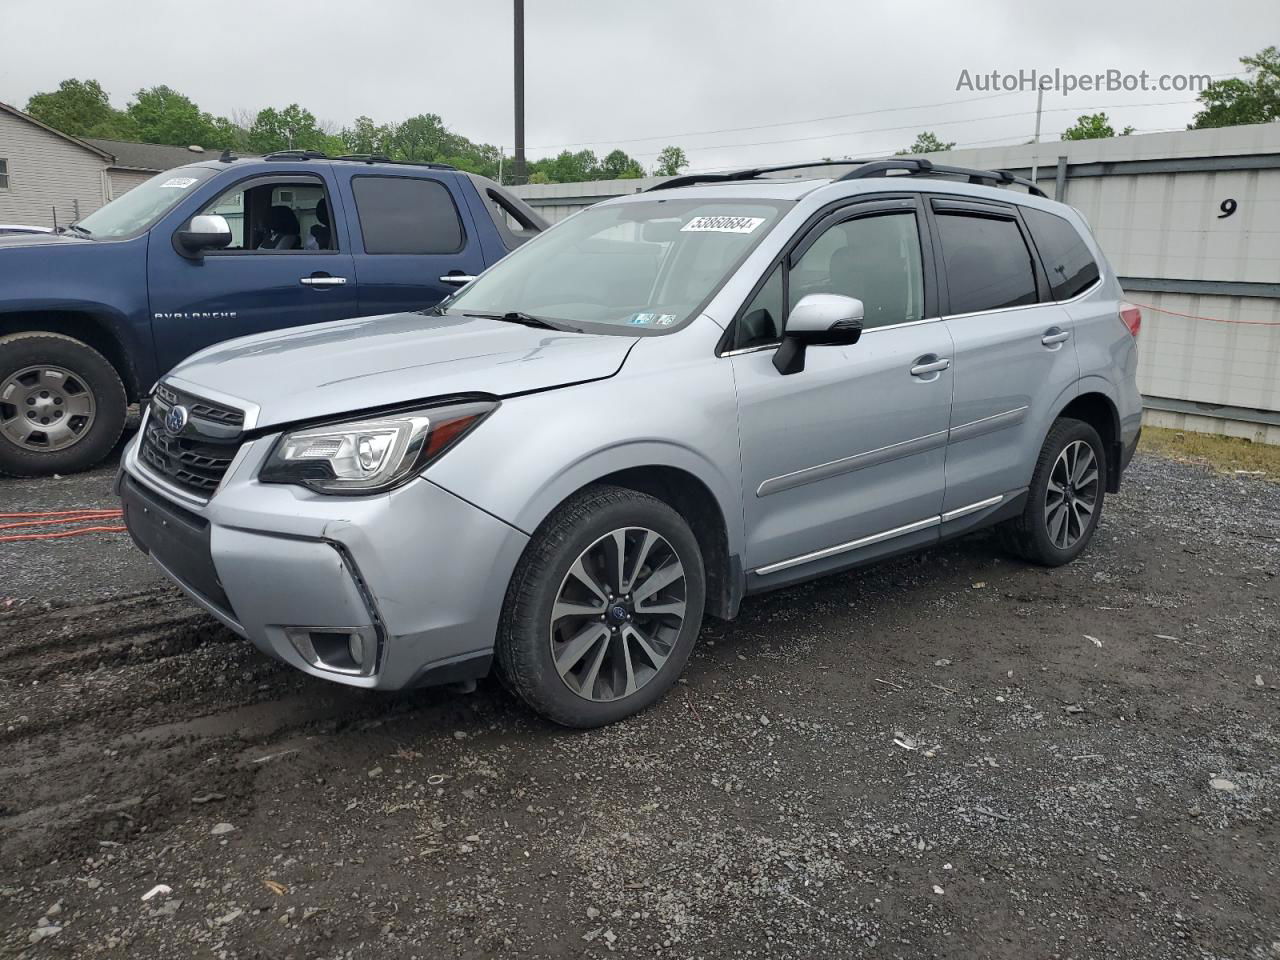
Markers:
{"x": 1131, "y": 316}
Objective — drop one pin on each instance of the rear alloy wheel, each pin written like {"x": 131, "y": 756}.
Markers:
{"x": 62, "y": 405}
{"x": 603, "y": 609}
{"x": 1064, "y": 501}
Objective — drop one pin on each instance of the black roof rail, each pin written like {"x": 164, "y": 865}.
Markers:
{"x": 355, "y": 158}
{"x": 751, "y": 173}
{"x": 296, "y": 155}
{"x": 902, "y": 166}
{"x": 382, "y": 158}
{"x": 920, "y": 167}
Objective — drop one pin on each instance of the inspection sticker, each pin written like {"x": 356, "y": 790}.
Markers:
{"x": 722, "y": 224}
{"x": 651, "y": 319}
{"x": 178, "y": 183}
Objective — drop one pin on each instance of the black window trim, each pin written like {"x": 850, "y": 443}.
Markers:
{"x": 846, "y": 208}
{"x": 285, "y": 177}
{"x": 4, "y": 174}
{"x": 463, "y": 237}
{"x": 957, "y": 204}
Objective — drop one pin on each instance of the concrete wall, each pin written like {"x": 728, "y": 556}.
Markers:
{"x": 1155, "y": 205}
{"x": 47, "y": 172}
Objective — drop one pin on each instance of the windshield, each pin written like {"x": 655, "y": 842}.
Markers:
{"x": 628, "y": 266}
{"x": 142, "y": 206}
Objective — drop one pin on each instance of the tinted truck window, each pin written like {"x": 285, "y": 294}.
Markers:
{"x": 1066, "y": 258}
{"x": 988, "y": 263}
{"x": 404, "y": 215}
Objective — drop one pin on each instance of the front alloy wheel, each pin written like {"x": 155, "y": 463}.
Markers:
{"x": 618, "y": 614}
{"x": 603, "y": 608}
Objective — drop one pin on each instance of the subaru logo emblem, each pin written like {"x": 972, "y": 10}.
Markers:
{"x": 175, "y": 421}
{"x": 618, "y": 612}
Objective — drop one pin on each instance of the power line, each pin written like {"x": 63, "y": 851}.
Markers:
{"x": 781, "y": 123}
{"x": 917, "y": 124}
{"x": 839, "y": 116}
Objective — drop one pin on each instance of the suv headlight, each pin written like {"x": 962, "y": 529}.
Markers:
{"x": 371, "y": 455}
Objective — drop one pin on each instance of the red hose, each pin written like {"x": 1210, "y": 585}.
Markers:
{"x": 58, "y": 518}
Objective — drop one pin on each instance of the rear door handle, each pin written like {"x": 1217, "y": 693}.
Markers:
{"x": 322, "y": 280}
{"x": 1053, "y": 336}
{"x": 930, "y": 366}
{"x": 457, "y": 279}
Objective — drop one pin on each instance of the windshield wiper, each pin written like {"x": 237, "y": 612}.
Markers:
{"x": 79, "y": 229}
{"x": 525, "y": 319}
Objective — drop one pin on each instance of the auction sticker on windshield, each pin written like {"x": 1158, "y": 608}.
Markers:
{"x": 177, "y": 183}
{"x": 722, "y": 224}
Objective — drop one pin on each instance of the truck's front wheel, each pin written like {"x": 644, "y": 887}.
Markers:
{"x": 62, "y": 405}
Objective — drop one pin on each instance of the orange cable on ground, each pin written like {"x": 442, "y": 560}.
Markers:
{"x": 64, "y": 533}
{"x": 58, "y": 518}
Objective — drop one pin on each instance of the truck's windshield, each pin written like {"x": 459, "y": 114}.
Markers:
{"x": 631, "y": 266}
{"x": 146, "y": 203}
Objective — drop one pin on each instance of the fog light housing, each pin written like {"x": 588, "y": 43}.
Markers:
{"x": 352, "y": 651}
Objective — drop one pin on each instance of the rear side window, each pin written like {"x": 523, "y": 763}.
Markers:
{"x": 1071, "y": 267}
{"x": 987, "y": 262}
{"x": 404, "y": 215}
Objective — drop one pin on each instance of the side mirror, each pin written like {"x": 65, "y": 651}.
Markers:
{"x": 209, "y": 231}
{"x": 818, "y": 320}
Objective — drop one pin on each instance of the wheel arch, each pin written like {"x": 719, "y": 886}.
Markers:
{"x": 93, "y": 328}
{"x": 1098, "y": 410}
{"x": 683, "y": 481}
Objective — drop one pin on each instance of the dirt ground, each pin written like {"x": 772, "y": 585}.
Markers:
{"x": 949, "y": 755}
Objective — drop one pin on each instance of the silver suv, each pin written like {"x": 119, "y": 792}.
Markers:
{"x": 667, "y": 402}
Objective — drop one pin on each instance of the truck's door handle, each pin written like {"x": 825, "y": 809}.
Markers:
{"x": 937, "y": 365}
{"x": 457, "y": 279}
{"x": 1054, "y": 336}
{"x": 322, "y": 280}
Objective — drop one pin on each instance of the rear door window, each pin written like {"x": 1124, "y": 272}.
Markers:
{"x": 401, "y": 215}
{"x": 1066, "y": 258}
{"x": 987, "y": 262}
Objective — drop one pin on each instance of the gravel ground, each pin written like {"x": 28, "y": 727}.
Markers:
{"x": 951, "y": 754}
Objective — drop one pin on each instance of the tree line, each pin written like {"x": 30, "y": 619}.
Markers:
{"x": 163, "y": 115}
{"x": 82, "y": 108}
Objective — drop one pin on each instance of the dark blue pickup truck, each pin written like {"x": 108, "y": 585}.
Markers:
{"x": 90, "y": 317}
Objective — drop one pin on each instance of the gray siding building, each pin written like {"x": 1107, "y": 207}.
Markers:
{"x": 48, "y": 178}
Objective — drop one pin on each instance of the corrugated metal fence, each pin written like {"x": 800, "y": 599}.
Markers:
{"x": 1190, "y": 221}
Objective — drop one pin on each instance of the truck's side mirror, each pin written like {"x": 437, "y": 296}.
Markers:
{"x": 208, "y": 231}
{"x": 818, "y": 320}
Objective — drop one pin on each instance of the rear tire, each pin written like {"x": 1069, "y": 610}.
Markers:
{"x": 1064, "y": 502}
{"x": 62, "y": 405}
{"x": 585, "y": 654}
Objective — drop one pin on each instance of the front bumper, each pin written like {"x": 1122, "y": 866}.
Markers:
{"x": 419, "y": 570}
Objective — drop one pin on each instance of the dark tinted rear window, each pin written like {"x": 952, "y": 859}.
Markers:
{"x": 988, "y": 263}
{"x": 403, "y": 215}
{"x": 1067, "y": 259}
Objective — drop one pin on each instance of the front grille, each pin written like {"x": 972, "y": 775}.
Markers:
{"x": 198, "y": 457}
{"x": 200, "y": 409}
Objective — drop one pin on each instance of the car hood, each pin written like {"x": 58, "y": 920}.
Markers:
{"x": 46, "y": 240}
{"x": 347, "y": 366}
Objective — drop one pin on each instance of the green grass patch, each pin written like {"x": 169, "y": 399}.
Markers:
{"x": 1224, "y": 454}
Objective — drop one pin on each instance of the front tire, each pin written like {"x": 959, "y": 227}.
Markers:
{"x": 1064, "y": 502}
{"x": 62, "y": 405}
{"x": 603, "y": 609}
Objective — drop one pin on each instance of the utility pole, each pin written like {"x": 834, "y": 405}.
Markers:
{"x": 518, "y": 174}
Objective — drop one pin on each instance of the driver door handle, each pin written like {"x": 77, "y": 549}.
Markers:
{"x": 458, "y": 279}
{"x": 932, "y": 366}
{"x": 322, "y": 280}
{"x": 1054, "y": 336}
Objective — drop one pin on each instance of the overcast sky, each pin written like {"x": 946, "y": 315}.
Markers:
{"x": 608, "y": 73}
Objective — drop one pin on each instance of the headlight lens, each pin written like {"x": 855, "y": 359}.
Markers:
{"x": 370, "y": 456}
